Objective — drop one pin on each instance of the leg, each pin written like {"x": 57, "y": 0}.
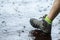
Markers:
{"x": 54, "y": 10}
{"x": 45, "y": 23}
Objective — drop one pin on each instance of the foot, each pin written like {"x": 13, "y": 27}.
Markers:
{"x": 43, "y": 25}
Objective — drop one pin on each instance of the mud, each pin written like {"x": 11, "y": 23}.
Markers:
{"x": 39, "y": 35}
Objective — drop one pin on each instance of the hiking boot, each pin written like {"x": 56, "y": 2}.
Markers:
{"x": 41, "y": 24}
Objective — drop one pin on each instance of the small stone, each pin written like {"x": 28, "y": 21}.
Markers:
{"x": 22, "y": 31}
{"x": 40, "y": 10}
{"x": 1, "y": 5}
{"x": 24, "y": 26}
{"x": 3, "y": 21}
{"x": 48, "y": 6}
{"x": 2, "y": 1}
{"x": 45, "y": 9}
{"x": 0, "y": 14}
{"x": 13, "y": 3}
{"x": 6, "y": 30}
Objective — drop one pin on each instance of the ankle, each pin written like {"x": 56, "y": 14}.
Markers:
{"x": 48, "y": 20}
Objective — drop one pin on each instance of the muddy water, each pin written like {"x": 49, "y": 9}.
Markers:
{"x": 39, "y": 35}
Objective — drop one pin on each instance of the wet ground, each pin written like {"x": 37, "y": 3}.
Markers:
{"x": 15, "y": 16}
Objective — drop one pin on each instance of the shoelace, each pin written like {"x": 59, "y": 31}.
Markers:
{"x": 43, "y": 16}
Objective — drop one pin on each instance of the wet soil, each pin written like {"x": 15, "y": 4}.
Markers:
{"x": 39, "y": 35}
